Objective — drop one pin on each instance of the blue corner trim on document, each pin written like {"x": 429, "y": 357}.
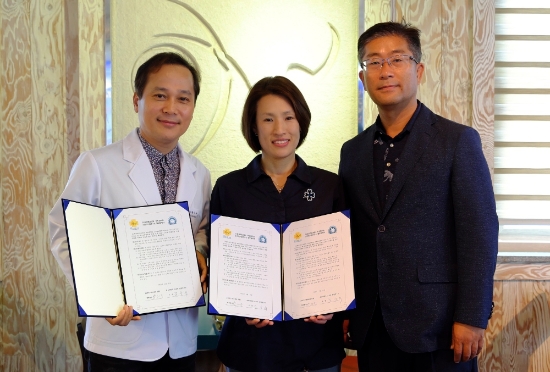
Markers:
{"x": 135, "y": 313}
{"x": 81, "y": 311}
{"x": 116, "y": 212}
{"x": 214, "y": 217}
{"x": 351, "y": 305}
{"x": 108, "y": 211}
{"x": 288, "y": 317}
{"x": 278, "y": 317}
{"x": 184, "y": 205}
{"x": 201, "y": 302}
{"x": 212, "y": 310}
{"x": 284, "y": 227}
{"x": 65, "y": 203}
{"x": 346, "y": 213}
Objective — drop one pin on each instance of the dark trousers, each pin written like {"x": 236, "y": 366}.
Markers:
{"x": 379, "y": 354}
{"x": 103, "y": 363}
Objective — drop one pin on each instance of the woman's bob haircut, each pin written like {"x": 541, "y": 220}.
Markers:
{"x": 278, "y": 86}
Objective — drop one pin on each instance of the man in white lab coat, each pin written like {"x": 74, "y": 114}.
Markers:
{"x": 147, "y": 167}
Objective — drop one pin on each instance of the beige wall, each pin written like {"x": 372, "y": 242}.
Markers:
{"x": 235, "y": 44}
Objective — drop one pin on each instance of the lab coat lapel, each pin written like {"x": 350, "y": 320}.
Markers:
{"x": 141, "y": 173}
{"x": 187, "y": 187}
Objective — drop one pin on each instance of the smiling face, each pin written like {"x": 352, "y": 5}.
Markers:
{"x": 166, "y": 107}
{"x": 277, "y": 128}
{"x": 390, "y": 88}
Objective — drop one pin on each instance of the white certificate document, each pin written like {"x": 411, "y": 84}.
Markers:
{"x": 318, "y": 267}
{"x": 245, "y": 260}
{"x": 157, "y": 258}
{"x": 141, "y": 256}
{"x": 249, "y": 259}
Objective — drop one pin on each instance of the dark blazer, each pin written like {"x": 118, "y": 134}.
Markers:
{"x": 430, "y": 255}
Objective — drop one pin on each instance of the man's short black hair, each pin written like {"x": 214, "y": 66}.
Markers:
{"x": 155, "y": 63}
{"x": 405, "y": 30}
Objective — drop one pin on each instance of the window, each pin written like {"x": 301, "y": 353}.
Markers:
{"x": 522, "y": 124}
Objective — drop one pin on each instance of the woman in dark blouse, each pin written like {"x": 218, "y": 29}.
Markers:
{"x": 278, "y": 187}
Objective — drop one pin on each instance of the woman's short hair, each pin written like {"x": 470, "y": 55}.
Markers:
{"x": 278, "y": 86}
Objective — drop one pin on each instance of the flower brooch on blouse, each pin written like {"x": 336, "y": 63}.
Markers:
{"x": 309, "y": 195}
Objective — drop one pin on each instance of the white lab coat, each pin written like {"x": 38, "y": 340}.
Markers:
{"x": 119, "y": 176}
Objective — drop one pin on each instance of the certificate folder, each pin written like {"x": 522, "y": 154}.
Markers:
{"x": 140, "y": 256}
{"x": 281, "y": 272}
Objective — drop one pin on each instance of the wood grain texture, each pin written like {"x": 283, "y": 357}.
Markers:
{"x": 522, "y": 271}
{"x": 91, "y": 74}
{"x": 16, "y": 185}
{"x": 456, "y": 79}
{"x": 49, "y": 118}
{"x": 72, "y": 89}
{"x": 517, "y": 338}
{"x": 38, "y": 327}
{"x": 483, "y": 76}
{"x": 490, "y": 358}
{"x": 427, "y": 16}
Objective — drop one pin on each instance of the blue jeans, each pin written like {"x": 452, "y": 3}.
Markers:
{"x": 103, "y": 363}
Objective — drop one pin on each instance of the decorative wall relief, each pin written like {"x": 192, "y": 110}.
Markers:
{"x": 234, "y": 44}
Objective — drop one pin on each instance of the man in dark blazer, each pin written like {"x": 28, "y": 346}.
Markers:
{"x": 423, "y": 217}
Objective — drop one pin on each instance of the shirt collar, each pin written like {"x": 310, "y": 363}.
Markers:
{"x": 408, "y": 128}
{"x": 254, "y": 170}
{"x": 172, "y": 158}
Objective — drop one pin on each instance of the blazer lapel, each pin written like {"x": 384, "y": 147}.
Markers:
{"x": 417, "y": 143}
{"x": 365, "y": 176}
{"x": 141, "y": 173}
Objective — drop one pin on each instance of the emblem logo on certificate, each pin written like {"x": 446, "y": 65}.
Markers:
{"x": 141, "y": 256}
{"x": 281, "y": 272}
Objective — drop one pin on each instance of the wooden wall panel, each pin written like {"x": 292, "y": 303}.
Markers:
{"x": 483, "y": 76}
{"x": 92, "y": 74}
{"x": 456, "y": 57}
{"x": 16, "y": 186}
{"x": 49, "y": 117}
{"x": 72, "y": 89}
{"x": 47, "y": 73}
{"x": 531, "y": 271}
{"x": 517, "y": 338}
{"x": 427, "y": 16}
{"x": 490, "y": 358}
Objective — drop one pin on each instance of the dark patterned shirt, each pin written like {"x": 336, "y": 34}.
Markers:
{"x": 386, "y": 155}
{"x": 166, "y": 169}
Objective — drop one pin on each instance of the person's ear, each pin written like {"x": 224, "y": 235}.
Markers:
{"x": 419, "y": 72}
{"x": 362, "y": 78}
{"x": 135, "y": 99}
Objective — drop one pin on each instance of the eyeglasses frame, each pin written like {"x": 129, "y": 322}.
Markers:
{"x": 363, "y": 64}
